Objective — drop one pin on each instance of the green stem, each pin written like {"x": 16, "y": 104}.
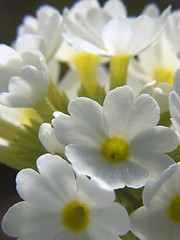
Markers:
{"x": 118, "y": 69}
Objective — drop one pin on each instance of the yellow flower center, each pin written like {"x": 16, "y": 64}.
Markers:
{"x": 163, "y": 74}
{"x": 174, "y": 209}
{"x": 115, "y": 150}
{"x": 75, "y": 216}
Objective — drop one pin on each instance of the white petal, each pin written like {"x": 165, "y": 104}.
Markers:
{"x": 25, "y": 222}
{"x": 84, "y": 6}
{"x": 85, "y": 45}
{"x": 86, "y": 160}
{"x": 157, "y": 139}
{"x": 174, "y": 102}
{"x": 177, "y": 82}
{"x": 124, "y": 117}
{"x": 114, "y": 218}
{"x": 48, "y": 139}
{"x": 30, "y": 42}
{"x": 155, "y": 163}
{"x": 8, "y": 53}
{"x": 91, "y": 192}
{"x": 84, "y": 126}
{"x": 116, "y": 35}
{"x": 116, "y": 109}
{"x": 115, "y": 8}
{"x": 125, "y": 173}
{"x": 145, "y": 114}
{"x": 59, "y": 174}
{"x": 35, "y": 189}
{"x": 158, "y": 193}
{"x": 151, "y": 224}
{"x": 146, "y": 30}
{"x": 30, "y": 87}
{"x": 176, "y": 232}
{"x": 14, "y": 100}
{"x": 151, "y": 10}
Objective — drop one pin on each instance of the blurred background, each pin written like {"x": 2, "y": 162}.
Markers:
{"x": 11, "y": 14}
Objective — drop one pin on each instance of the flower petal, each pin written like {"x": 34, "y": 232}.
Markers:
{"x": 150, "y": 225}
{"x": 84, "y": 126}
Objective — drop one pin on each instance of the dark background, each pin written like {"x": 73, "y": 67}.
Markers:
{"x": 11, "y": 14}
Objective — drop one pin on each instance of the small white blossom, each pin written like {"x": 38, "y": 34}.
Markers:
{"x": 119, "y": 142}
{"x": 45, "y": 31}
{"x": 24, "y": 77}
{"x": 61, "y": 205}
{"x": 159, "y": 218}
{"x": 121, "y": 35}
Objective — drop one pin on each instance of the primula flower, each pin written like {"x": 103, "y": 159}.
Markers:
{"x": 45, "y": 30}
{"x": 159, "y": 218}
{"x": 121, "y": 35}
{"x": 119, "y": 142}
{"x": 24, "y": 77}
{"x": 62, "y": 205}
{"x": 157, "y": 63}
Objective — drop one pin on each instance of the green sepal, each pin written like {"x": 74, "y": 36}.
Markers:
{"x": 165, "y": 119}
{"x": 8, "y": 130}
{"x": 129, "y": 236}
{"x": 175, "y": 154}
{"x": 129, "y": 198}
{"x": 24, "y": 149}
{"x": 98, "y": 96}
{"x": 59, "y": 101}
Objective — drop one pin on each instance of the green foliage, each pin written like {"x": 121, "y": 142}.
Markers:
{"x": 24, "y": 149}
{"x": 99, "y": 94}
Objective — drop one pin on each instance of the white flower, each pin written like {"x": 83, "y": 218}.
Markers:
{"x": 45, "y": 31}
{"x": 161, "y": 95}
{"x": 61, "y": 205}
{"x": 159, "y": 218}
{"x": 157, "y": 63}
{"x": 120, "y": 36}
{"x": 174, "y": 103}
{"x": 24, "y": 77}
{"x": 119, "y": 142}
{"x": 88, "y": 23}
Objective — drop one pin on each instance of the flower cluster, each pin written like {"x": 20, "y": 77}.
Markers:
{"x": 90, "y": 115}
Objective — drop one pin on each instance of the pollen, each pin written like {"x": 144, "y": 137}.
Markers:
{"x": 163, "y": 74}
{"x": 115, "y": 150}
{"x": 174, "y": 209}
{"x": 75, "y": 216}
